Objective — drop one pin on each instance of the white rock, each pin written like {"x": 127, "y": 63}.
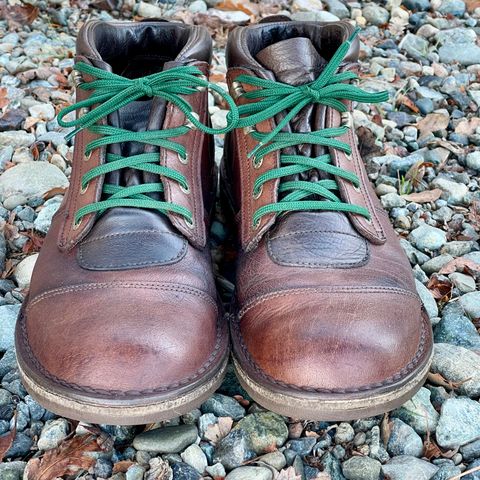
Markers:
{"x": 250, "y": 473}
{"x": 17, "y": 138}
{"x": 195, "y": 457}
{"x": 43, "y": 111}
{"x": 236, "y": 16}
{"x": 453, "y": 192}
{"x": 148, "y": 10}
{"x": 23, "y": 271}
{"x": 53, "y": 433}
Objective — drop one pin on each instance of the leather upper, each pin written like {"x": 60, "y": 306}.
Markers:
{"x": 326, "y": 301}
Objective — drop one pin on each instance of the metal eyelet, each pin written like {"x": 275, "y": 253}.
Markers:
{"x": 256, "y": 225}
{"x": 238, "y": 90}
{"x": 257, "y": 164}
{"x": 77, "y": 78}
{"x": 249, "y": 130}
{"x": 357, "y": 189}
{"x": 86, "y": 157}
{"x": 369, "y": 221}
{"x": 185, "y": 190}
{"x": 83, "y": 190}
{"x": 348, "y": 156}
{"x": 189, "y": 223}
{"x": 189, "y": 124}
{"x": 257, "y": 195}
{"x": 347, "y": 119}
{"x": 76, "y": 225}
{"x": 183, "y": 160}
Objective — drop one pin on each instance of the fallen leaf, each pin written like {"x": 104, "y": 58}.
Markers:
{"x": 18, "y": 15}
{"x": 54, "y": 192}
{"x": 433, "y": 122}
{"x": 468, "y": 127}
{"x": 288, "y": 474}
{"x": 122, "y": 466}
{"x": 7, "y": 439}
{"x": 472, "y": 5}
{"x": 440, "y": 289}
{"x": 431, "y": 450}
{"x": 34, "y": 242}
{"x": 159, "y": 470}
{"x": 407, "y": 102}
{"x": 71, "y": 457}
{"x": 426, "y": 196}
{"x": 244, "y": 6}
{"x": 459, "y": 264}
{"x": 3, "y": 97}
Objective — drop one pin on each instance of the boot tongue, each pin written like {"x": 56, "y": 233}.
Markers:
{"x": 294, "y": 61}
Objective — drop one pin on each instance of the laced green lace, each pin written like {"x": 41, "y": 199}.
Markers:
{"x": 111, "y": 92}
{"x": 276, "y": 97}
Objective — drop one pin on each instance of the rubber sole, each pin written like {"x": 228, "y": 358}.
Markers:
{"x": 118, "y": 412}
{"x": 335, "y": 408}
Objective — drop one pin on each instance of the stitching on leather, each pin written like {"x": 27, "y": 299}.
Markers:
{"x": 389, "y": 381}
{"x": 128, "y": 393}
{"x": 279, "y": 261}
{"x": 132, "y": 232}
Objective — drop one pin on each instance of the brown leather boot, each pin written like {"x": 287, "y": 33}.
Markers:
{"x": 122, "y": 323}
{"x": 328, "y": 323}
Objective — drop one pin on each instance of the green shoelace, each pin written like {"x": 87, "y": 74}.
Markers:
{"x": 276, "y": 97}
{"x": 111, "y": 92}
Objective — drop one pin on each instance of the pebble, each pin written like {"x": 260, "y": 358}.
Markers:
{"x": 436, "y": 263}
{"x": 458, "y": 365}
{"x": 52, "y": 434}
{"x": 182, "y": 471}
{"x": 337, "y": 8}
{"x": 418, "y": 412}
{"x": 8, "y": 319}
{"x": 453, "y": 192}
{"x": 467, "y": 55}
{"x": 16, "y": 138}
{"x": 361, "y": 468}
{"x": 216, "y": 471}
{"x": 32, "y": 179}
{"x": 427, "y": 238}
{"x": 415, "y": 46}
{"x": 409, "y": 468}
{"x": 234, "y": 450}
{"x": 470, "y": 302}
{"x": 135, "y": 472}
{"x": 404, "y": 440}
{"x": 44, "y": 218}
{"x": 464, "y": 283}
{"x": 274, "y": 459}
{"x": 236, "y": 17}
{"x": 167, "y": 439}
{"x": 473, "y": 160}
{"x": 223, "y": 406}
{"x": 23, "y": 271}
{"x": 427, "y": 299}
{"x": 471, "y": 451}
{"x": 195, "y": 457}
{"x": 42, "y": 111}
{"x": 375, "y": 14}
{"x": 459, "y": 423}
{"x": 250, "y": 473}
{"x": 148, "y": 10}
{"x": 344, "y": 433}
{"x": 391, "y": 200}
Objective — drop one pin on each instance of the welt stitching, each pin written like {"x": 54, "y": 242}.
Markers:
{"x": 394, "y": 378}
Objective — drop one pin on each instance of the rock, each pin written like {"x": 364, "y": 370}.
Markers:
{"x": 427, "y": 238}
{"x": 436, "y": 263}
{"x": 471, "y": 451}
{"x": 23, "y": 271}
{"x": 274, "y": 459}
{"x": 391, "y": 200}
{"x": 337, "y": 8}
{"x": 414, "y": 256}
{"x": 182, "y": 471}
{"x": 135, "y": 472}
{"x": 195, "y": 457}
{"x": 198, "y": 6}
{"x": 20, "y": 447}
{"x": 12, "y": 120}
{"x": 16, "y": 138}
{"x": 467, "y": 55}
{"x": 344, "y": 433}
{"x": 446, "y": 472}
{"x": 216, "y": 471}
{"x": 456, "y": 328}
{"x": 470, "y": 302}
{"x": 453, "y": 192}
{"x": 418, "y": 413}
{"x": 53, "y": 433}
{"x": 404, "y": 440}
{"x": 8, "y": 319}
{"x": 458, "y": 248}
{"x": 464, "y": 283}
{"x": 8, "y": 362}
{"x": 148, "y": 10}
{"x": 12, "y": 470}
{"x": 233, "y": 450}
{"x": 301, "y": 446}
{"x": 307, "y": 5}
{"x": 230, "y": 16}
{"x": 167, "y": 439}
{"x": 361, "y": 468}
{"x": 223, "y": 406}
{"x": 409, "y": 468}
{"x": 452, "y": 7}
{"x": 32, "y": 179}
{"x": 459, "y": 423}
{"x": 375, "y": 14}
{"x": 458, "y": 365}
{"x": 473, "y": 160}
{"x": 250, "y": 473}
{"x": 264, "y": 430}
{"x": 455, "y": 36}
{"x": 415, "y": 46}
{"x": 42, "y": 111}
{"x": 475, "y": 468}
{"x": 332, "y": 466}
{"x": 314, "y": 16}
{"x": 421, "y": 5}
{"x": 44, "y": 218}
{"x": 427, "y": 299}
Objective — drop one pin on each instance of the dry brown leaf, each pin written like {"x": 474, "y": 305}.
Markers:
{"x": 288, "y": 474}
{"x": 407, "y": 102}
{"x": 472, "y": 5}
{"x": 468, "y": 127}
{"x": 3, "y": 97}
{"x": 386, "y": 428}
{"x": 53, "y": 192}
{"x": 243, "y": 5}
{"x": 459, "y": 264}
{"x": 122, "y": 466}
{"x": 431, "y": 450}
{"x": 7, "y": 439}
{"x": 433, "y": 122}
{"x": 69, "y": 458}
{"x": 34, "y": 242}
{"x": 440, "y": 289}
{"x": 426, "y": 196}
{"x": 159, "y": 470}
{"x": 18, "y": 15}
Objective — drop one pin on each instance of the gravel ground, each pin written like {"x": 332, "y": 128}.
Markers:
{"x": 422, "y": 153}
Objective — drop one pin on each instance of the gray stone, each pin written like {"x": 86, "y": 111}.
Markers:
{"x": 32, "y": 179}
{"x": 452, "y": 7}
{"x": 470, "y": 302}
{"x": 415, "y": 46}
{"x": 361, "y": 468}
{"x": 459, "y": 423}
{"x": 148, "y": 10}
{"x": 233, "y": 450}
{"x": 427, "y": 299}
{"x": 427, "y": 238}
{"x": 475, "y": 471}
{"x": 436, "y": 263}
{"x": 264, "y": 430}
{"x": 12, "y": 470}
{"x": 405, "y": 467}
{"x": 195, "y": 457}
{"x": 455, "y": 36}
{"x": 8, "y": 362}
{"x": 471, "y": 451}
{"x": 458, "y": 248}
{"x": 464, "y": 283}
{"x": 473, "y": 160}
{"x": 391, "y": 200}
{"x": 275, "y": 459}
{"x": 458, "y": 365}
{"x": 17, "y": 138}
{"x": 467, "y": 55}
{"x": 235, "y": 16}
{"x": 20, "y": 447}
{"x": 250, "y": 473}
{"x": 453, "y": 192}
{"x": 375, "y": 14}
{"x": 404, "y": 440}
{"x": 337, "y": 8}
{"x": 167, "y": 439}
{"x": 414, "y": 256}
{"x": 419, "y": 413}
{"x": 456, "y": 328}
{"x": 135, "y": 472}
{"x": 44, "y": 218}
{"x": 52, "y": 434}
{"x": 216, "y": 471}
{"x": 182, "y": 471}
{"x": 314, "y": 16}
{"x": 332, "y": 466}
{"x": 223, "y": 406}
{"x": 8, "y": 319}
{"x": 446, "y": 472}
{"x": 344, "y": 433}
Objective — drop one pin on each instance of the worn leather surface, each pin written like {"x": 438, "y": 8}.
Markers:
{"x": 125, "y": 305}
{"x": 325, "y": 301}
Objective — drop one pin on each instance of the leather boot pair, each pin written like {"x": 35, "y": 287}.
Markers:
{"x": 123, "y": 324}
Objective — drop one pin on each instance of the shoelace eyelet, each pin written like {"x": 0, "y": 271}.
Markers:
{"x": 257, "y": 195}
{"x": 185, "y": 190}
{"x": 189, "y": 223}
{"x": 257, "y": 164}
{"x": 183, "y": 160}
{"x": 256, "y": 225}
{"x": 84, "y": 189}
{"x": 86, "y": 157}
{"x": 189, "y": 124}
{"x": 76, "y": 225}
{"x": 238, "y": 90}
{"x": 357, "y": 189}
